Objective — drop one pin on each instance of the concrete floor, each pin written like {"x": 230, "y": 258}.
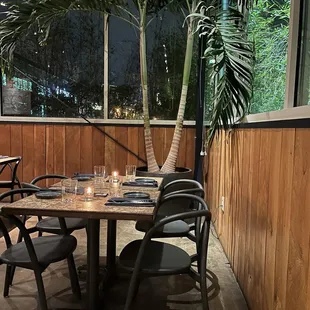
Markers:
{"x": 174, "y": 292}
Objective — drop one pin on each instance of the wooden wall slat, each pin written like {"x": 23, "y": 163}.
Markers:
{"x": 28, "y": 152}
{"x": 60, "y": 159}
{"x": 17, "y": 146}
{"x": 298, "y": 263}
{"x": 121, "y": 135}
{"x": 190, "y": 147}
{"x": 86, "y": 153}
{"x": 159, "y": 139}
{"x": 5, "y": 148}
{"x": 273, "y": 208}
{"x": 72, "y": 149}
{"x": 133, "y": 145}
{"x": 39, "y": 152}
{"x": 98, "y": 147}
{"x": 284, "y": 214}
{"x": 49, "y": 147}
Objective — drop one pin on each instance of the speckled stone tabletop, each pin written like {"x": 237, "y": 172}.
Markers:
{"x": 94, "y": 209}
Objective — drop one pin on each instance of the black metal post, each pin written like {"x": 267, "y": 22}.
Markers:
{"x": 201, "y": 72}
{"x": 111, "y": 248}
{"x": 93, "y": 239}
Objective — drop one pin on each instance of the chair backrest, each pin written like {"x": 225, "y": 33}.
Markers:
{"x": 20, "y": 191}
{"x": 180, "y": 186}
{"x": 13, "y": 165}
{"x": 202, "y": 216}
{"x": 170, "y": 177}
{"x": 48, "y": 176}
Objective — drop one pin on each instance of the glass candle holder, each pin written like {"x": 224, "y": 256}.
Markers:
{"x": 115, "y": 184}
{"x": 88, "y": 193}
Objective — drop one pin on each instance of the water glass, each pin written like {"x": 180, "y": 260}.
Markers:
{"x": 99, "y": 171}
{"x": 68, "y": 190}
{"x": 115, "y": 186}
{"x": 130, "y": 172}
{"x": 99, "y": 179}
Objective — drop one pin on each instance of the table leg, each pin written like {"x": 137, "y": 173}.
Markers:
{"x": 93, "y": 230}
{"x": 111, "y": 247}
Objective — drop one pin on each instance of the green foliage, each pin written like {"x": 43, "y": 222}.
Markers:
{"x": 230, "y": 56}
{"x": 268, "y": 28}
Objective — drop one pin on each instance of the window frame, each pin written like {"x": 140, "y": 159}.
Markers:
{"x": 290, "y": 109}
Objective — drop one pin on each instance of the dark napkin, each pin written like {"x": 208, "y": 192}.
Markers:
{"x": 87, "y": 175}
{"x": 140, "y": 184}
{"x": 130, "y": 202}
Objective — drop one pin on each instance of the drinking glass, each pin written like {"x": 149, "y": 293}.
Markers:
{"x": 99, "y": 171}
{"x": 130, "y": 172}
{"x": 115, "y": 186}
{"x": 68, "y": 190}
{"x": 99, "y": 178}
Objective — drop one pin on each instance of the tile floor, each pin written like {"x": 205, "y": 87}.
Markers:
{"x": 174, "y": 292}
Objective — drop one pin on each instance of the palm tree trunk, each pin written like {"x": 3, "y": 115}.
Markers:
{"x": 170, "y": 163}
{"x": 149, "y": 149}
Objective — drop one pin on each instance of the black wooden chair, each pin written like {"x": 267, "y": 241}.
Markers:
{"x": 37, "y": 253}
{"x": 51, "y": 224}
{"x": 13, "y": 166}
{"x": 149, "y": 258}
{"x": 178, "y": 228}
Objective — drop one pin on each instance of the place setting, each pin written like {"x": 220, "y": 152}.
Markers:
{"x": 120, "y": 190}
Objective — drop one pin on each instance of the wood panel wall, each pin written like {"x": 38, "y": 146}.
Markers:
{"x": 264, "y": 176}
{"x": 65, "y": 149}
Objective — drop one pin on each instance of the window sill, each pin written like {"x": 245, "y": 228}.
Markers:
{"x": 281, "y": 115}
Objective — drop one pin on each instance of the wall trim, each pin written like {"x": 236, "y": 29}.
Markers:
{"x": 289, "y": 123}
{"x": 82, "y": 122}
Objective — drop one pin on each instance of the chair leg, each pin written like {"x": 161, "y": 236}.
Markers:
{"x": 7, "y": 281}
{"x": 12, "y": 274}
{"x": 76, "y": 290}
{"x": 41, "y": 290}
{"x": 203, "y": 286}
{"x": 136, "y": 290}
{"x": 133, "y": 289}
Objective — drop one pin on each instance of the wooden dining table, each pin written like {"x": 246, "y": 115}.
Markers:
{"x": 93, "y": 211}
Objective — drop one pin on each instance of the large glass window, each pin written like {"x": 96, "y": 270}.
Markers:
{"x": 65, "y": 76}
{"x": 303, "y": 89}
{"x": 269, "y": 30}
{"x": 166, "y": 44}
{"x": 62, "y": 78}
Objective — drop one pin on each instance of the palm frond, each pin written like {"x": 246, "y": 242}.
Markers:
{"x": 25, "y": 16}
{"x": 231, "y": 57}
